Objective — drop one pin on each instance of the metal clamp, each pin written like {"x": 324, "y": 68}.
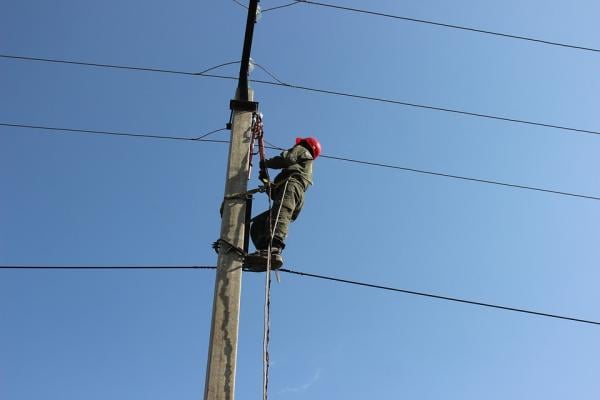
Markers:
{"x": 248, "y": 194}
{"x": 218, "y": 244}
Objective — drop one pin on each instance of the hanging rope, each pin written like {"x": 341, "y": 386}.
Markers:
{"x": 267, "y": 320}
{"x": 267, "y": 328}
{"x": 267, "y": 307}
{"x": 258, "y": 135}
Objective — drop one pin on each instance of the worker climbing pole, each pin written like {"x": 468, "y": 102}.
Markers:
{"x": 269, "y": 229}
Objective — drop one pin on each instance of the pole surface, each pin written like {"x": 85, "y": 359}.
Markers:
{"x": 222, "y": 354}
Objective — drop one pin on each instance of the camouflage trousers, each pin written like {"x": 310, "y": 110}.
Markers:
{"x": 288, "y": 200}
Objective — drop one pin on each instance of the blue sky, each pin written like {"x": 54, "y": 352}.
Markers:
{"x": 80, "y": 199}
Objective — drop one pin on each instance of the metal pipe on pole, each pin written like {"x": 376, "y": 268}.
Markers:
{"x": 247, "y": 49}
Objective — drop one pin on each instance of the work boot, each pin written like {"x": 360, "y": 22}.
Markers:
{"x": 257, "y": 261}
{"x": 276, "y": 258}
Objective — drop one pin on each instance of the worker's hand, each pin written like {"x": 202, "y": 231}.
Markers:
{"x": 263, "y": 176}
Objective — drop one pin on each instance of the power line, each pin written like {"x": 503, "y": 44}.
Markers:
{"x": 99, "y": 267}
{"x": 216, "y": 66}
{"x": 323, "y": 277}
{"x": 317, "y": 90}
{"x": 426, "y": 172}
{"x": 422, "y": 171}
{"x": 113, "y": 133}
{"x": 210, "y": 133}
{"x": 351, "y": 160}
{"x": 268, "y": 9}
{"x": 240, "y": 4}
{"x": 270, "y": 74}
{"x": 282, "y": 6}
{"x": 435, "y": 296}
{"x": 125, "y": 67}
{"x": 427, "y": 107}
{"x": 487, "y": 181}
{"x": 445, "y": 25}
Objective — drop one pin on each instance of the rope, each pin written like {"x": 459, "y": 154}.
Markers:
{"x": 258, "y": 135}
{"x": 267, "y": 320}
{"x": 267, "y": 329}
{"x": 267, "y": 307}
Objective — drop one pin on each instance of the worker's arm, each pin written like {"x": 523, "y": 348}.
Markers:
{"x": 289, "y": 157}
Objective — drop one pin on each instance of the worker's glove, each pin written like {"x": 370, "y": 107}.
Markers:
{"x": 263, "y": 176}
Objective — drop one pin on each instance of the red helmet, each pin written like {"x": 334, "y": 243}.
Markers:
{"x": 313, "y": 143}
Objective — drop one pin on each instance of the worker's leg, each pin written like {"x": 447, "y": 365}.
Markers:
{"x": 288, "y": 208}
{"x": 259, "y": 231}
{"x": 260, "y": 234}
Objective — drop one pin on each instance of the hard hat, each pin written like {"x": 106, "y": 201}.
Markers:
{"x": 313, "y": 143}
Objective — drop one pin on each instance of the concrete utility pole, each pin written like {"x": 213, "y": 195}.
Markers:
{"x": 222, "y": 354}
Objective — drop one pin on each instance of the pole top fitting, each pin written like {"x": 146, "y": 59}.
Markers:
{"x": 243, "y": 105}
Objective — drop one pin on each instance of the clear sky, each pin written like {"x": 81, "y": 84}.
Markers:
{"x": 81, "y": 199}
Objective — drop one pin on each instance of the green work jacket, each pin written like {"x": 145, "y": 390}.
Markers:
{"x": 296, "y": 162}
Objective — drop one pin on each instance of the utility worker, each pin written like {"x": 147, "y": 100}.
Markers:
{"x": 288, "y": 198}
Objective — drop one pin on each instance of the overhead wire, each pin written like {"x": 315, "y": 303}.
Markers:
{"x": 322, "y": 91}
{"x": 101, "y": 267}
{"x": 278, "y": 7}
{"x": 486, "y": 181}
{"x": 270, "y": 74}
{"x": 325, "y": 156}
{"x": 217, "y": 66}
{"x": 445, "y": 175}
{"x": 427, "y": 107}
{"x": 210, "y": 133}
{"x": 327, "y": 278}
{"x": 439, "y": 297}
{"x": 446, "y": 25}
{"x": 253, "y": 62}
{"x": 240, "y": 4}
{"x": 114, "y": 66}
{"x": 114, "y": 133}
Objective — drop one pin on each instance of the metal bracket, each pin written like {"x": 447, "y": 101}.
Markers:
{"x": 240, "y": 105}
{"x": 229, "y": 247}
